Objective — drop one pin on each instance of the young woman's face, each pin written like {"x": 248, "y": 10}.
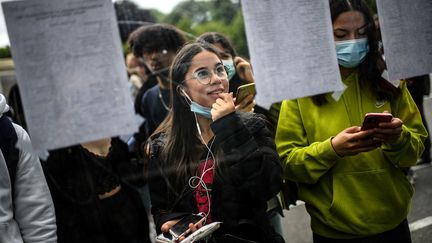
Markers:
{"x": 349, "y": 25}
{"x": 206, "y": 78}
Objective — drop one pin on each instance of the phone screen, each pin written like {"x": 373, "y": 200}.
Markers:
{"x": 183, "y": 225}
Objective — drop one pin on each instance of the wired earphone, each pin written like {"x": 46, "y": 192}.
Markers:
{"x": 196, "y": 181}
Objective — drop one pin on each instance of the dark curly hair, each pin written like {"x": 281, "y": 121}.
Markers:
{"x": 154, "y": 38}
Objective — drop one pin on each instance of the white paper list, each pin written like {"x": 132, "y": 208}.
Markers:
{"x": 406, "y": 29}
{"x": 292, "y": 48}
{"x": 70, "y": 70}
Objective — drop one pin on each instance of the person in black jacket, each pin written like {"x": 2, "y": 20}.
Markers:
{"x": 240, "y": 73}
{"x": 208, "y": 158}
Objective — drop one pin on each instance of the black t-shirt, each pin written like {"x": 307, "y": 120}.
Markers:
{"x": 154, "y": 107}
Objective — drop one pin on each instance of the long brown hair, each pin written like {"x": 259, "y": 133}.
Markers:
{"x": 370, "y": 70}
{"x": 182, "y": 146}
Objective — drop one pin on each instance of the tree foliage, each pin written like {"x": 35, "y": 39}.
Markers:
{"x": 224, "y": 10}
{"x": 5, "y": 52}
{"x": 224, "y": 16}
{"x": 372, "y": 5}
{"x": 197, "y": 11}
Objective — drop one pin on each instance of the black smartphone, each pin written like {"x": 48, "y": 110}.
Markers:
{"x": 181, "y": 228}
{"x": 371, "y": 120}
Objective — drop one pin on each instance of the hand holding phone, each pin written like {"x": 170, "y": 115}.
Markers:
{"x": 243, "y": 91}
{"x": 181, "y": 228}
{"x": 371, "y": 120}
{"x": 202, "y": 232}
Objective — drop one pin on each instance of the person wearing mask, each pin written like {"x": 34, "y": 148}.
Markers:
{"x": 136, "y": 73}
{"x": 26, "y": 208}
{"x": 208, "y": 158}
{"x": 239, "y": 70}
{"x": 352, "y": 180}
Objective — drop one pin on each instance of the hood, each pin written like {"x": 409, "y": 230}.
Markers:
{"x": 3, "y": 106}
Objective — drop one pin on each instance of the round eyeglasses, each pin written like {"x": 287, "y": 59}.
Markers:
{"x": 204, "y": 76}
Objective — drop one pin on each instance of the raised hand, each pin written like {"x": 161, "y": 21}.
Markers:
{"x": 244, "y": 69}
{"x": 246, "y": 105}
{"x": 223, "y": 106}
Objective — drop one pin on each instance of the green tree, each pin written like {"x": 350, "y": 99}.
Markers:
{"x": 211, "y": 26}
{"x": 197, "y": 11}
{"x": 185, "y": 24}
{"x": 372, "y": 5}
{"x": 158, "y": 15}
{"x": 223, "y": 10}
{"x": 237, "y": 34}
{"x": 224, "y": 16}
{"x": 5, "y": 52}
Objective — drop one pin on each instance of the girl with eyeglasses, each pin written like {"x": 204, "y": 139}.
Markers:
{"x": 208, "y": 158}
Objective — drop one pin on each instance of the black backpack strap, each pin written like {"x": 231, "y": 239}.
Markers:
{"x": 8, "y": 140}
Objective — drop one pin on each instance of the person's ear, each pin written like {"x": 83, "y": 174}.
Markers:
{"x": 181, "y": 90}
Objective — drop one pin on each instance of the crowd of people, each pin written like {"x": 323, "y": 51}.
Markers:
{"x": 200, "y": 151}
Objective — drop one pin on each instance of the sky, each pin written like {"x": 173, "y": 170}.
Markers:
{"x": 164, "y": 6}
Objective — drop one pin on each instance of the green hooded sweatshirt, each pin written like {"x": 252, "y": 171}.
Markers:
{"x": 352, "y": 196}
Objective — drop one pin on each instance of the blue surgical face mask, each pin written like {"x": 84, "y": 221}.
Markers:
{"x": 351, "y": 53}
{"x": 201, "y": 110}
{"x": 197, "y": 108}
{"x": 229, "y": 65}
